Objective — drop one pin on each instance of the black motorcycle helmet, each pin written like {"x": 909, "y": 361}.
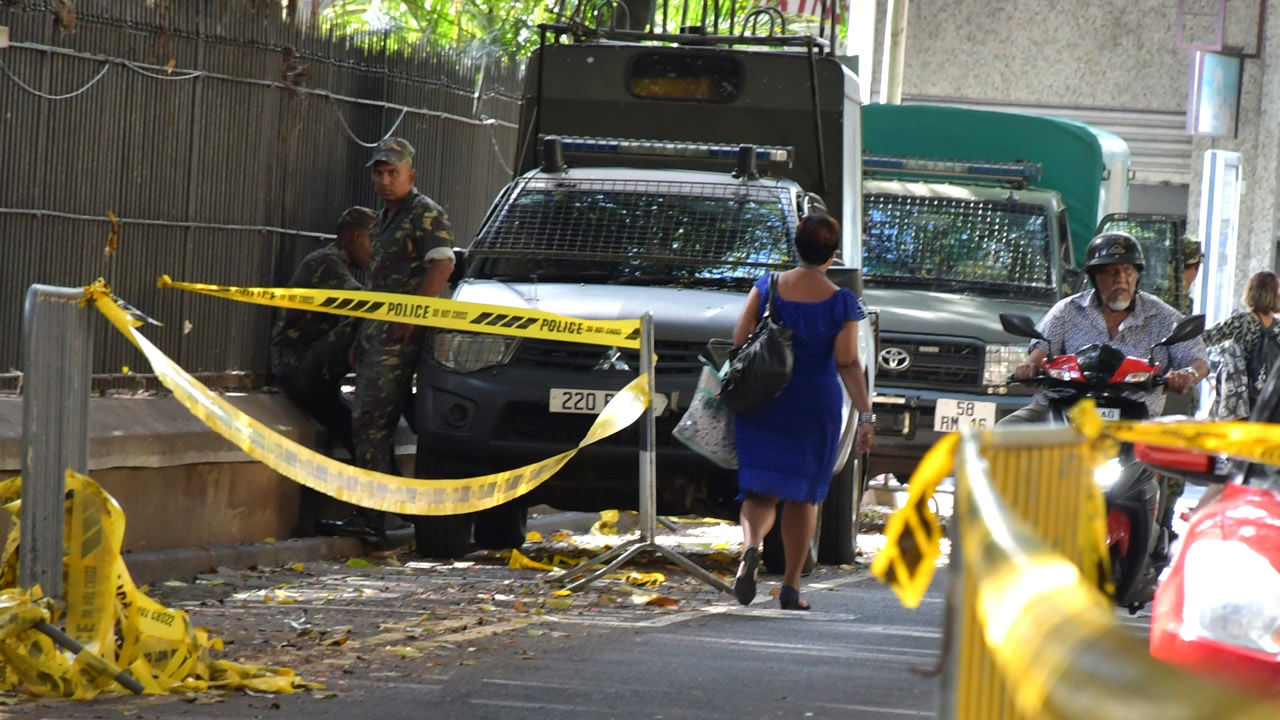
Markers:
{"x": 1113, "y": 248}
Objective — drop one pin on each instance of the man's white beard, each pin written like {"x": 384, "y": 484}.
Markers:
{"x": 1120, "y": 305}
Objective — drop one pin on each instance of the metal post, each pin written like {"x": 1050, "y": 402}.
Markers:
{"x": 648, "y": 491}
{"x": 56, "y": 351}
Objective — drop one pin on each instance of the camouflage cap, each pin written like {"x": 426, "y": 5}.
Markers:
{"x": 392, "y": 150}
{"x": 357, "y": 218}
{"x": 1192, "y": 254}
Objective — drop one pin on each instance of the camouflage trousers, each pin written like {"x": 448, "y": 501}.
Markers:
{"x": 384, "y": 382}
{"x": 311, "y": 377}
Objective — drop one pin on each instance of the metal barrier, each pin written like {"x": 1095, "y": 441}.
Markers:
{"x": 57, "y": 348}
{"x": 1034, "y": 638}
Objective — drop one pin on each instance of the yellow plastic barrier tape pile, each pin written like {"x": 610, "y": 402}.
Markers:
{"x": 432, "y": 312}
{"x": 118, "y": 626}
{"x": 379, "y": 491}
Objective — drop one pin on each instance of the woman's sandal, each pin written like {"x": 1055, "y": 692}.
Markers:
{"x": 789, "y": 599}
{"x": 744, "y": 586}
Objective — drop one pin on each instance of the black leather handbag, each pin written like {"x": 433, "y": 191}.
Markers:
{"x": 759, "y": 370}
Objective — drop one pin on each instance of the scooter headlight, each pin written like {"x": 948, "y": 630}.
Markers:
{"x": 1232, "y": 595}
{"x": 1137, "y": 377}
{"x": 1107, "y": 475}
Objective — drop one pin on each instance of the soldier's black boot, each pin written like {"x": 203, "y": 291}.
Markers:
{"x": 368, "y": 525}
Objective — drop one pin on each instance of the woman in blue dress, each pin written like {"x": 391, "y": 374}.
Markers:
{"x": 787, "y": 451}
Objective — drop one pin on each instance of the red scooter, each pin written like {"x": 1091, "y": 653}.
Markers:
{"x": 1138, "y": 543}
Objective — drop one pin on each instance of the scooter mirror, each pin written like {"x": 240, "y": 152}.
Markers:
{"x": 1191, "y": 326}
{"x": 1020, "y": 325}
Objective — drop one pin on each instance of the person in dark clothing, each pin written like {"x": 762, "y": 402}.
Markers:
{"x": 413, "y": 255}
{"x": 311, "y": 351}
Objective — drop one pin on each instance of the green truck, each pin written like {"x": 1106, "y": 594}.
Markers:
{"x": 967, "y": 214}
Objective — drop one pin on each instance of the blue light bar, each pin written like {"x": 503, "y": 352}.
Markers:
{"x": 618, "y": 146}
{"x": 1028, "y": 172}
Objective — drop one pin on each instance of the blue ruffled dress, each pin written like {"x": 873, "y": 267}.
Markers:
{"x": 788, "y": 449}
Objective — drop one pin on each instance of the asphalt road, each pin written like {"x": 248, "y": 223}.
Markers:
{"x": 606, "y": 657}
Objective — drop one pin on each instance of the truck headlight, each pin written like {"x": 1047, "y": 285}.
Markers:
{"x": 1001, "y": 361}
{"x": 466, "y": 352}
{"x": 1232, "y": 595}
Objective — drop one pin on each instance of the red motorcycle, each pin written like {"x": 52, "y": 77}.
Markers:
{"x": 1138, "y": 543}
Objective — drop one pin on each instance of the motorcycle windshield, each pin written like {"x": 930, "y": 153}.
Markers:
{"x": 1099, "y": 362}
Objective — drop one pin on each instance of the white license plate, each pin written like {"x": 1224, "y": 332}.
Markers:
{"x": 952, "y": 415}
{"x": 591, "y": 402}
{"x": 1109, "y": 413}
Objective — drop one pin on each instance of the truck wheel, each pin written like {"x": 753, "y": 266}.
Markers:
{"x": 502, "y": 527}
{"x": 440, "y": 537}
{"x": 775, "y": 560}
{"x": 841, "y": 512}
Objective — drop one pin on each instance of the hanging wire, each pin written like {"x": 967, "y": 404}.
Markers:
{"x": 47, "y": 96}
{"x": 342, "y": 119}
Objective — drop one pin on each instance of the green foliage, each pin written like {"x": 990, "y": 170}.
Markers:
{"x": 510, "y": 27}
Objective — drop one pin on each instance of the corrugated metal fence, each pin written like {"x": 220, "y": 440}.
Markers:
{"x": 224, "y": 168}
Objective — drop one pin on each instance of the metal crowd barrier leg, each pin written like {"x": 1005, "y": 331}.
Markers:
{"x": 648, "y": 491}
{"x": 56, "y": 350}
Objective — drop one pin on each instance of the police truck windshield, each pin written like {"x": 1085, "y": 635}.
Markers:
{"x": 644, "y": 233}
{"x": 957, "y": 245}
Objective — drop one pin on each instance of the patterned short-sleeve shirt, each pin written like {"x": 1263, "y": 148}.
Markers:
{"x": 1077, "y": 321}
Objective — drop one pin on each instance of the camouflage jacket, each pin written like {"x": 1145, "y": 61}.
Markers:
{"x": 328, "y": 269}
{"x": 405, "y": 241}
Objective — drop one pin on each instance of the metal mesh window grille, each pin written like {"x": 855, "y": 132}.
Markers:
{"x": 982, "y": 242}
{"x": 646, "y": 232}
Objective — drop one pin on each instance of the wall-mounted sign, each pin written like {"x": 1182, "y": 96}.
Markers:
{"x": 1213, "y": 97}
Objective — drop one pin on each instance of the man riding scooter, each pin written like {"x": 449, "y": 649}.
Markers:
{"x": 1114, "y": 311}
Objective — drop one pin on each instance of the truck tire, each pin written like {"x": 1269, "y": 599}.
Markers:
{"x": 841, "y": 513}
{"x": 502, "y": 527}
{"x": 440, "y": 537}
{"x": 775, "y": 560}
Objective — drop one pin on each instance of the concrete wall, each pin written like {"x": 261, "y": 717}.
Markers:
{"x": 181, "y": 485}
{"x": 1097, "y": 53}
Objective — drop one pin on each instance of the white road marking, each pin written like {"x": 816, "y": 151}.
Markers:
{"x": 881, "y": 710}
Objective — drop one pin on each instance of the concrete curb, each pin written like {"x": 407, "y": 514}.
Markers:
{"x": 185, "y": 563}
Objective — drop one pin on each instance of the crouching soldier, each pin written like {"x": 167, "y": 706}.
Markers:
{"x": 311, "y": 351}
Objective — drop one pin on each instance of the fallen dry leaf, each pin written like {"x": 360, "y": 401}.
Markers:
{"x": 360, "y": 563}
{"x": 663, "y": 601}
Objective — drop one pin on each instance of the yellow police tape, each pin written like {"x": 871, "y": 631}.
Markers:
{"x": 379, "y": 491}
{"x": 119, "y": 626}
{"x": 913, "y": 535}
{"x": 431, "y": 312}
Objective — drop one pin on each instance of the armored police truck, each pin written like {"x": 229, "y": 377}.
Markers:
{"x": 657, "y": 173}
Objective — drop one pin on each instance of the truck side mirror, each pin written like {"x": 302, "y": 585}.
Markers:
{"x": 1073, "y": 278}
{"x": 1020, "y": 325}
{"x": 459, "y": 266}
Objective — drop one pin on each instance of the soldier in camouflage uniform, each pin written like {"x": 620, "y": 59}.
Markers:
{"x": 412, "y": 255}
{"x": 310, "y": 351}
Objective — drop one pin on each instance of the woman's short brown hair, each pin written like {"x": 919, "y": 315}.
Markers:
{"x": 817, "y": 238}
{"x": 1260, "y": 293}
